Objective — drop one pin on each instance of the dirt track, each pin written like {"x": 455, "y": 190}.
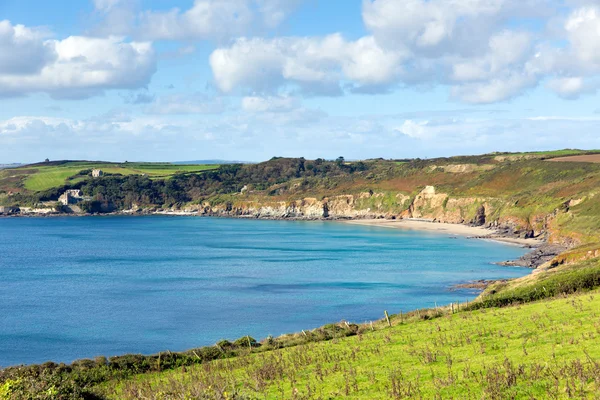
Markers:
{"x": 593, "y": 158}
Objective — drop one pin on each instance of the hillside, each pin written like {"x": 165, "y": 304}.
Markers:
{"x": 543, "y": 350}
{"x": 54, "y": 174}
{"x": 520, "y": 194}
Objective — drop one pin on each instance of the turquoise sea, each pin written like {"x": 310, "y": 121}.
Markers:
{"x": 81, "y": 287}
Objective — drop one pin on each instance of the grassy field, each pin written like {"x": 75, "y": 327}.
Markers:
{"x": 42, "y": 177}
{"x": 541, "y": 350}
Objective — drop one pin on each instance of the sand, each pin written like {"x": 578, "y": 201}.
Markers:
{"x": 450, "y": 229}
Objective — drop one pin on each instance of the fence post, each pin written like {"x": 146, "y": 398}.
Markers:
{"x": 387, "y": 317}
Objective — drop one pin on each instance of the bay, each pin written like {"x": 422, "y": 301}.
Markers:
{"x": 81, "y": 287}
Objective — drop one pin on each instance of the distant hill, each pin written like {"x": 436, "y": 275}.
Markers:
{"x": 4, "y": 166}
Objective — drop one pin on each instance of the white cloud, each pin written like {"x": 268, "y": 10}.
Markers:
{"x": 471, "y": 46}
{"x": 23, "y": 50}
{"x": 73, "y": 67}
{"x": 572, "y": 87}
{"x": 413, "y": 129}
{"x": 313, "y": 64}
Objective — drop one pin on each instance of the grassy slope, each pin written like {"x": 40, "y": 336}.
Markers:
{"x": 40, "y": 177}
{"x": 541, "y": 350}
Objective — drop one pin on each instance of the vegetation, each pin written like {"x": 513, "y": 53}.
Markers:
{"x": 45, "y": 176}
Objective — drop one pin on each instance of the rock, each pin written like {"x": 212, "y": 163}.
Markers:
{"x": 537, "y": 257}
{"x": 479, "y": 219}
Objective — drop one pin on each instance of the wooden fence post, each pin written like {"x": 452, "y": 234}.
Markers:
{"x": 387, "y": 317}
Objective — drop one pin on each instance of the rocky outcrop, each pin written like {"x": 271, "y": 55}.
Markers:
{"x": 343, "y": 206}
{"x": 479, "y": 219}
{"x": 462, "y": 168}
{"x": 9, "y": 210}
{"x": 539, "y": 256}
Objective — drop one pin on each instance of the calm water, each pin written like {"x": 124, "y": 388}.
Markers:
{"x": 81, "y": 287}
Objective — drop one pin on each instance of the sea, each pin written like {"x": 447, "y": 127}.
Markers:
{"x": 80, "y": 287}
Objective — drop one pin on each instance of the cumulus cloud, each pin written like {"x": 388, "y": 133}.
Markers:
{"x": 23, "y": 50}
{"x": 70, "y": 68}
{"x": 485, "y": 51}
{"x": 315, "y": 65}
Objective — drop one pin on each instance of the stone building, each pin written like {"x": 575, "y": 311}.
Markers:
{"x": 97, "y": 173}
{"x": 72, "y": 196}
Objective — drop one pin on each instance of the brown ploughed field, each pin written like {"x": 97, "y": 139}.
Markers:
{"x": 593, "y": 158}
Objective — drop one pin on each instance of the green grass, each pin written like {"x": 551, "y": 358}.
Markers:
{"x": 38, "y": 178}
{"x": 541, "y": 350}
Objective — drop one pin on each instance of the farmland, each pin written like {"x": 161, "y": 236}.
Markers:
{"x": 593, "y": 158}
{"x": 40, "y": 177}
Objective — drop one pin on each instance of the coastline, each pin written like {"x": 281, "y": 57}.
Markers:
{"x": 452, "y": 229}
{"x": 541, "y": 251}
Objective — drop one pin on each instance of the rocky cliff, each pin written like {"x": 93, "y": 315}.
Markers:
{"x": 427, "y": 204}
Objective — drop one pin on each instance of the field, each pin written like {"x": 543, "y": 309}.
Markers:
{"x": 542, "y": 350}
{"x": 593, "y": 158}
{"x": 552, "y": 153}
{"x": 40, "y": 177}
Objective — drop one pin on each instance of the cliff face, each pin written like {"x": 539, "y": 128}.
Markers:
{"x": 427, "y": 204}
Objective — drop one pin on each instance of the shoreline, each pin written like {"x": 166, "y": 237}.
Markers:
{"x": 476, "y": 232}
{"x": 540, "y": 251}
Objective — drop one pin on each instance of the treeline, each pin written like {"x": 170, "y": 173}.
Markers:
{"x": 122, "y": 192}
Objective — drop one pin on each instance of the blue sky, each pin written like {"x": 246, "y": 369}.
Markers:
{"x": 162, "y": 80}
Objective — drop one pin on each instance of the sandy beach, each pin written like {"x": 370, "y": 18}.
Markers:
{"x": 451, "y": 229}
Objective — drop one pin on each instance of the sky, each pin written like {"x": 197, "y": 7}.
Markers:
{"x": 177, "y": 80}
